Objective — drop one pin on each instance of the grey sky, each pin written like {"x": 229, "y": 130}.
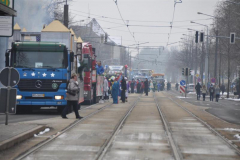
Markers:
{"x": 145, "y": 10}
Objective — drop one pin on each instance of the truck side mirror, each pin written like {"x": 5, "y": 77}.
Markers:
{"x": 71, "y": 56}
{"x": 7, "y": 58}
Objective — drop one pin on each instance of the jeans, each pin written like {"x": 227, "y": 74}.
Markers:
{"x": 75, "y": 108}
{"x": 204, "y": 94}
{"x": 211, "y": 96}
{"x": 217, "y": 97}
{"x": 198, "y": 95}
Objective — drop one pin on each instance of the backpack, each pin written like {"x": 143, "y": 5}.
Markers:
{"x": 211, "y": 90}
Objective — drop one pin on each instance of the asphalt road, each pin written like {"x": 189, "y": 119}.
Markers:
{"x": 35, "y": 115}
{"x": 224, "y": 109}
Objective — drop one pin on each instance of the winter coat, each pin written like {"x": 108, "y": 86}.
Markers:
{"x": 123, "y": 85}
{"x": 204, "y": 90}
{"x": 198, "y": 87}
{"x": 73, "y": 86}
{"x": 217, "y": 91}
{"x": 211, "y": 89}
{"x": 105, "y": 85}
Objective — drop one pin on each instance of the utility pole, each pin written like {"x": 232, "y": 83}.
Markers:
{"x": 66, "y": 14}
{"x": 216, "y": 55}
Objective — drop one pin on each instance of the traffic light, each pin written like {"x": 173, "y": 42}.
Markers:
{"x": 196, "y": 37}
{"x": 183, "y": 71}
{"x": 232, "y": 38}
{"x": 190, "y": 72}
{"x": 201, "y": 37}
{"x": 106, "y": 37}
{"x": 187, "y": 72}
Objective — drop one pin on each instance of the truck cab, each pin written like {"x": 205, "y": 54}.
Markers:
{"x": 44, "y": 68}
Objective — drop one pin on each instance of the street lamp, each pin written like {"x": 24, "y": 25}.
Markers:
{"x": 207, "y": 53}
{"x": 216, "y": 49}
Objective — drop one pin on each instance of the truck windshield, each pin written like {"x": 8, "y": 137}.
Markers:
{"x": 23, "y": 59}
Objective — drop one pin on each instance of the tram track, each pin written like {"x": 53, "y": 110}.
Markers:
{"x": 175, "y": 150}
{"x": 215, "y": 132}
{"x": 53, "y": 137}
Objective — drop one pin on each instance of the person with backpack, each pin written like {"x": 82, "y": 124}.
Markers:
{"x": 198, "y": 89}
{"x": 211, "y": 91}
{"x": 217, "y": 93}
{"x": 204, "y": 92}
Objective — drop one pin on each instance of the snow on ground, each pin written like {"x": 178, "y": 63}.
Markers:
{"x": 237, "y": 136}
{"x": 182, "y": 97}
{"x": 231, "y": 129}
{"x": 192, "y": 93}
{"x": 42, "y": 132}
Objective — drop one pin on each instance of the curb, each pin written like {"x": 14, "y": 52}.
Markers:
{"x": 20, "y": 138}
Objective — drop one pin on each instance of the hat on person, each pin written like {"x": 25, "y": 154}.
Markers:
{"x": 73, "y": 75}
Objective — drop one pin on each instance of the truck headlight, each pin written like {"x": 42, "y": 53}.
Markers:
{"x": 19, "y": 96}
{"x": 58, "y": 97}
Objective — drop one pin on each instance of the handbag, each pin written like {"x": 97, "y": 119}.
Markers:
{"x": 72, "y": 93}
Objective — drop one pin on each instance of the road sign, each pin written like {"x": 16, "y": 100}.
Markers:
{"x": 182, "y": 83}
{"x": 6, "y": 27}
{"x": 199, "y": 79}
{"x": 14, "y": 77}
{"x": 182, "y": 89}
{"x": 12, "y": 100}
{"x": 213, "y": 80}
{"x": 197, "y": 75}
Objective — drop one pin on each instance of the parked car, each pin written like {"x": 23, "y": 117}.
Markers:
{"x": 191, "y": 87}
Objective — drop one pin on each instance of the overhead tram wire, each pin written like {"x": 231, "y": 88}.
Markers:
{"x": 123, "y": 20}
{"x": 175, "y": 3}
{"x": 141, "y": 20}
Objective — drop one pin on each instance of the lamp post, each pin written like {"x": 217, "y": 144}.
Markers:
{"x": 207, "y": 54}
{"x": 216, "y": 47}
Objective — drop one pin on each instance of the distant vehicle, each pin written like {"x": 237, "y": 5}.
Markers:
{"x": 158, "y": 77}
{"x": 190, "y": 87}
{"x": 142, "y": 74}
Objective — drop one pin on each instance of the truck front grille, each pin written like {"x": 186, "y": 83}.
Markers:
{"x": 46, "y": 85}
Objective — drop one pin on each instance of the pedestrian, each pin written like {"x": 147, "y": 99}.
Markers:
{"x": 126, "y": 92}
{"x": 138, "y": 86}
{"x": 223, "y": 88}
{"x": 142, "y": 87}
{"x": 151, "y": 86}
{"x": 105, "y": 89}
{"x": 123, "y": 89}
{"x": 132, "y": 86}
{"x": 72, "y": 97}
{"x": 115, "y": 90}
{"x": 204, "y": 92}
{"x": 159, "y": 86}
{"x": 211, "y": 91}
{"x": 163, "y": 85}
{"x": 217, "y": 93}
{"x": 176, "y": 86}
{"x": 146, "y": 87}
{"x": 198, "y": 89}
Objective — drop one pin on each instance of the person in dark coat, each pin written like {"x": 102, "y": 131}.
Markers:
{"x": 223, "y": 88}
{"x": 138, "y": 87}
{"x": 198, "y": 89}
{"x": 123, "y": 87}
{"x": 146, "y": 87}
{"x": 211, "y": 91}
{"x": 132, "y": 86}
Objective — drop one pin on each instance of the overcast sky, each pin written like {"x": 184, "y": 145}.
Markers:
{"x": 145, "y": 13}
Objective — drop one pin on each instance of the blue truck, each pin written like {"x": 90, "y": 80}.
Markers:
{"x": 44, "y": 68}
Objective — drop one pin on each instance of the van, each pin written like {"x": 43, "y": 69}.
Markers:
{"x": 191, "y": 87}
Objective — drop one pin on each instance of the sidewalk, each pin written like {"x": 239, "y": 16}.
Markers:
{"x": 15, "y": 133}
{"x": 17, "y": 138}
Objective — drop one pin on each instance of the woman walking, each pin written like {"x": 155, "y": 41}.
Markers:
{"x": 72, "y": 97}
{"x": 204, "y": 92}
{"x": 151, "y": 86}
{"x": 217, "y": 93}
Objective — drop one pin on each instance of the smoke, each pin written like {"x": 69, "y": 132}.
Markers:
{"x": 33, "y": 14}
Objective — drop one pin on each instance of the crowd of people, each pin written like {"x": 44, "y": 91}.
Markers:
{"x": 213, "y": 91}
